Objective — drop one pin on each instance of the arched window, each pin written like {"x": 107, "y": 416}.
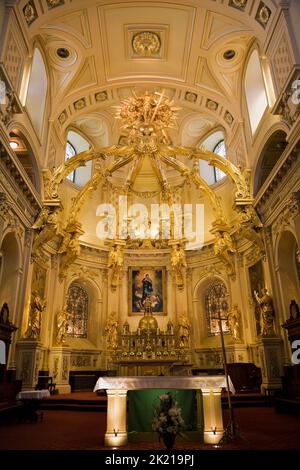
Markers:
{"x": 215, "y": 143}
{"x": 216, "y": 302}
{"x": 77, "y": 306}
{"x": 255, "y": 91}
{"x": 77, "y": 144}
{"x": 37, "y": 91}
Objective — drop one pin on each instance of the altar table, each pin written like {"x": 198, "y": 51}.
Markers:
{"x": 117, "y": 387}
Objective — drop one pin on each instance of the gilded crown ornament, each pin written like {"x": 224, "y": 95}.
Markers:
{"x": 146, "y": 43}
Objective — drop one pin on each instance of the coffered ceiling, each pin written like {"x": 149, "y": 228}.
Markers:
{"x": 194, "y": 49}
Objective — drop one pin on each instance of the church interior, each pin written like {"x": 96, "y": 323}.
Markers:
{"x": 149, "y": 222}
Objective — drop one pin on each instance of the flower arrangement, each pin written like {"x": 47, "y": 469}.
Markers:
{"x": 167, "y": 417}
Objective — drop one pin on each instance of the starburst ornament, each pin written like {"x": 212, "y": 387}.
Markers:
{"x": 146, "y": 118}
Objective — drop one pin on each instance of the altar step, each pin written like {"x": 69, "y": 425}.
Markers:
{"x": 84, "y": 401}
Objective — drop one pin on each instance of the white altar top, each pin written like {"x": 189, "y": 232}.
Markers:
{"x": 172, "y": 382}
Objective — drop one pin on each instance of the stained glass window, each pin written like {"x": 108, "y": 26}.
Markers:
{"x": 219, "y": 149}
{"x": 77, "y": 306}
{"x": 216, "y": 301}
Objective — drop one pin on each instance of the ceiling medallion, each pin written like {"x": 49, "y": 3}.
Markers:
{"x": 29, "y": 12}
{"x": 146, "y": 44}
{"x": 263, "y": 14}
{"x": 240, "y": 4}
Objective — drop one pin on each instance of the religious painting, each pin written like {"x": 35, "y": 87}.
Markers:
{"x": 147, "y": 283}
{"x": 256, "y": 277}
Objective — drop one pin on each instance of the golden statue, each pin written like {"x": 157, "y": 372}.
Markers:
{"x": 249, "y": 226}
{"x": 47, "y": 223}
{"x": 267, "y": 312}
{"x": 178, "y": 263}
{"x": 234, "y": 323}
{"x": 148, "y": 323}
{"x": 184, "y": 331}
{"x": 37, "y": 306}
{"x": 111, "y": 331}
{"x": 62, "y": 323}
{"x": 70, "y": 249}
{"x": 223, "y": 247}
{"x": 116, "y": 263}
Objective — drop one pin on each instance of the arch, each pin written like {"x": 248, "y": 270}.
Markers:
{"x": 287, "y": 268}
{"x": 270, "y": 154}
{"x": 255, "y": 90}
{"x": 23, "y": 150}
{"x": 81, "y": 175}
{"x": 94, "y": 311}
{"x": 10, "y": 264}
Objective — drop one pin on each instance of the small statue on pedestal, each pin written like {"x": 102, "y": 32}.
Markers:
{"x": 267, "y": 312}
{"x": 234, "y": 323}
{"x": 184, "y": 331}
{"x": 62, "y": 323}
{"x": 111, "y": 331}
{"x": 37, "y": 306}
{"x": 294, "y": 310}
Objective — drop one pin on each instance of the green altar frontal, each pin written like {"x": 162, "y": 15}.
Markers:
{"x": 141, "y": 404}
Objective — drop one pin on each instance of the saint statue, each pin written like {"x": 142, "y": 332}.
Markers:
{"x": 37, "y": 306}
{"x": 62, "y": 323}
{"x": 116, "y": 263}
{"x": 4, "y": 314}
{"x": 184, "y": 331}
{"x": 111, "y": 331}
{"x": 178, "y": 263}
{"x": 267, "y": 312}
{"x": 234, "y": 323}
{"x": 223, "y": 247}
{"x": 294, "y": 310}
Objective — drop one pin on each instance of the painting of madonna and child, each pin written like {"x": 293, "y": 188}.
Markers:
{"x": 147, "y": 283}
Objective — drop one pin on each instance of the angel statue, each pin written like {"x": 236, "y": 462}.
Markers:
{"x": 111, "y": 331}
{"x": 116, "y": 263}
{"x": 234, "y": 323}
{"x": 267, "y": 312}
{"x": 223, "y": 246}
{"x": 37, "y": 306}
{"x": 62, "y": 323}
{"x": 184, "y": 330}
{"x": 178, "y": 263}
{"x": 70, "y": 249}
{"x": 47, "y": 226}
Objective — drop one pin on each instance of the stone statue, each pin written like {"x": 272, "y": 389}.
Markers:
{"x": 37, "y": 306}
{"x": 4, "y": 314}
{"x": 116, "y": 263}
{"x": 178, "y": 263}
{"x": 294, "y": 310}
{"x": 223, "y": 246}
{"x": 62, "y": 323}
{"x": 184, "y": 330}
{"x": 267, "y": 312}
{"x": 234, "y": 323}
{"x": 111, "y": 331}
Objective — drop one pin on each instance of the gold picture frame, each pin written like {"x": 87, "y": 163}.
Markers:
{"x": 144, "y": 282}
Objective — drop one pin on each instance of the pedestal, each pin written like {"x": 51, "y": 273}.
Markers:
{"x": 29, "y": 359}
{"x": 59, "y": 367}
{"x": 116, "y": 430}
{"x": 270, "y": 361}
{"x": 213, "y": 419}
